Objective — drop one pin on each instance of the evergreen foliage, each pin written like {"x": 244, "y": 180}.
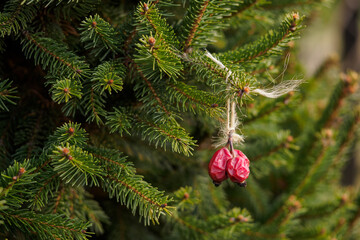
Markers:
{"x": 108, "y": 108}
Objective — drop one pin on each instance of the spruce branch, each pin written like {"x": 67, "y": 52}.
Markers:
{"x": 33, "y": 132}
{"x": 71, "y": 133}
{"x": 189, "y": 98}
{"x": 155, "y": 58}
{"x": 149, "y": 19}
{"x": 13, "y": 180}
{"x": 94, "y": 104}
{"x": 151, "y": 88}
{"x": 75, "y": 166}
{"x": 135, "y": 193}
{"x": 354, "y": 219}
{"x": 272, "y": 148}
{"x": 270, "y": 44}
{"x": 15, "y": 17}
{"x": 45, "y": 226}
{"x": 7, "y": 93}
{"x": 119, "y": 121}
{"x": 64, "y": 90}
{"x": 318, "y": 167}
{"x": 165, "y": 133}
{"x": 129, "y": 189}
{"x": 53, "y": 55}
{"x": 195, "y": 24}
{"x": 218, "y": 76}
{"x": 202, "y": 22}
{"x": 68, "y": 201}
{"x": 100, "y": 36}
{"x": 112, "y": 160}
{"x": 48, "y": 182}
{"x": 344, "y": 88}
{"x": 66, "y": 9}
{"x": 268, "y": 109}
{"x": 322, "y": 164}
{"x": 196, "y": 232}
{"x": 108, "y": 76}
{"x": 245, "y": 5}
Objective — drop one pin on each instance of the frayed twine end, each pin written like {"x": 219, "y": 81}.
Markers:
{"x": 280, "y": 89}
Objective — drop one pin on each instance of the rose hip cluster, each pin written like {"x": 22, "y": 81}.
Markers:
{"x": 223, "y": 165}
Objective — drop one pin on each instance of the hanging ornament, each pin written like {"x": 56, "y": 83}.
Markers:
{"x": 234, "y": 164}
{"x": 217, "y": 165}
{"x": 231, "y": 163}
{"x": 238, "y": 168}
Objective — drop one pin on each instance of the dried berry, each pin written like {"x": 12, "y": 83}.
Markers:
{"x": 218, "y": 164}
{"x": 238, "y": 168}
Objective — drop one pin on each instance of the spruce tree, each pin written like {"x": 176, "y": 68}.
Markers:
{"x": 108, "y": 110}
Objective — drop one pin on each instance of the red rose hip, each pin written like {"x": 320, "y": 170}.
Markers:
{"x": 238, "y": 168}
{"x": 217, "y": 165}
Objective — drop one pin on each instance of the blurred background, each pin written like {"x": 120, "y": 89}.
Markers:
{"x": 334, "y": 37}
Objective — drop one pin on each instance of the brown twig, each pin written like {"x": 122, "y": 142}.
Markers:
{"x": 195, "y": 26}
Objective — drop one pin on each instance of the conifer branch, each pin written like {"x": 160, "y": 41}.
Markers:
{"x": 352, "y": 223}
{"x": 58, "y": 198}
{"x": 15, "y": 17}
{"x": 244, "y": 6}
{"x": 71, "y": 133}
{"x": 135, "y": 193}
{"x": 190, "y": 98}
{"x": 280, "y": 104}
{"x": 46, "y": 163}
{"x": 155, "y": 95}
{"x": 129, "y": 39}
{"x": 263, "y": 52}
{"x": 270, "y": 44}
{"x": 133, "y": 189}
{"x": 95, "y": 113}
{"x": 148, "y": 17}
{"x": 275, "y": 149}
{"x": 42, "y": 48}
{"x": 76, "y": 166}
{"x": 349, "y": 137}
{"x": 195, "y": 25}
{"x": 190, "y": 226}
{"x": 344, "y": 88}
{"x": 99, "y": 35}
{"x": 44, "y": 185}
{"x": 45, "y": 224}
{"x": 206, "y": 105}
{"x": 119, "y": 121}
{"x": 34, "y": 135}
{"x": 164, "y": 133}
{"x": 7, "y": 93}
